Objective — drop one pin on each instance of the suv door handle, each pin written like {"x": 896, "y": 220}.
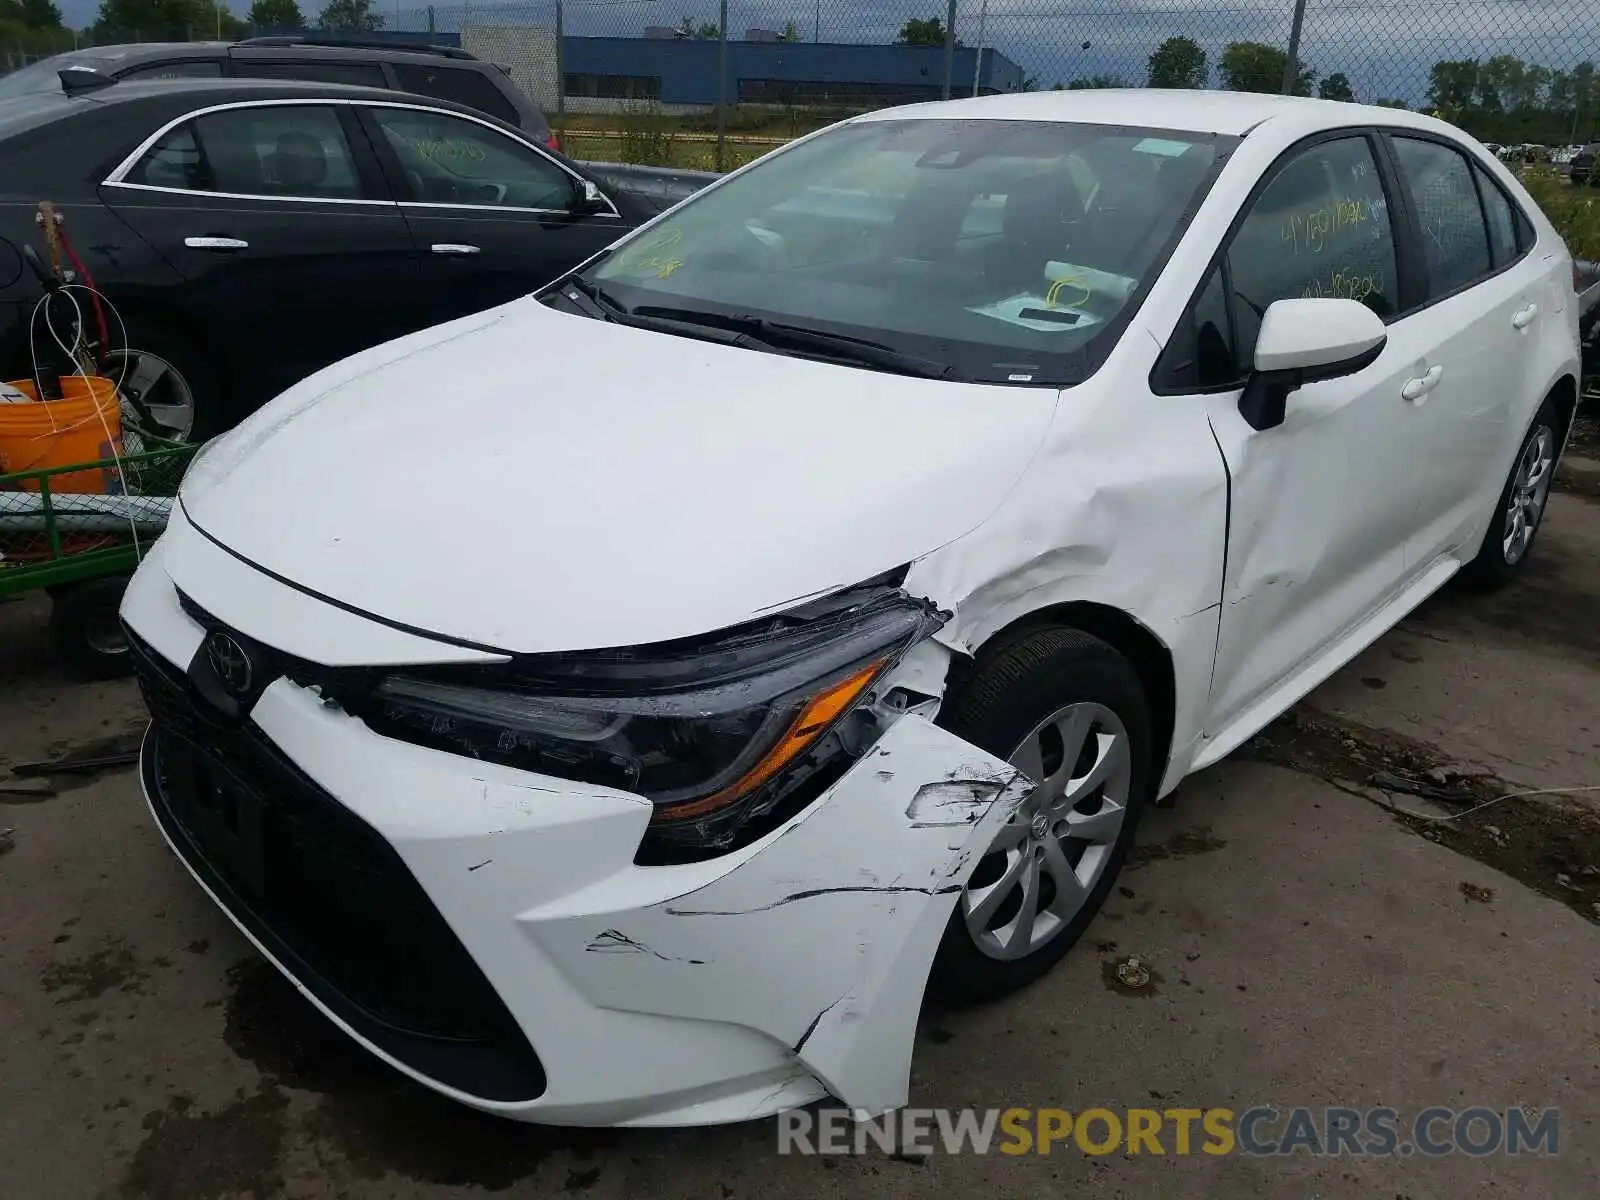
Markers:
{"x": 215, "y": 243}
{"x": 1418, "y": 388}
{"x": 453, "y": 248}
{"x": 1523, "y": 317}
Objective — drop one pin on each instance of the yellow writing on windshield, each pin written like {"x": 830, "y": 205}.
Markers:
{"x": 649, "y": 253}
{"x": 1052, "y": 298}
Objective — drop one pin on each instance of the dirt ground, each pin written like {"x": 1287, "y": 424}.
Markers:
{"x": 1316, "y": 935}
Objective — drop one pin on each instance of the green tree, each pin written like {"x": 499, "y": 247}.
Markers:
{"x": 1094, "y": 82}
{"x": 30, "y": 14}
{"x": 1257, "y": 67}
{"x": 163, "y": 18}
{"x": 277, "y": 14}
{"x": 1336, "y": 87}
{"x": 350, "y": 16}
{"x": 1391, "y": 104}
{"x": 1452, "y": 86}
{"x": 917, "y": 32}
{"x": 791, "y": 33}
{"x": 1178, "y": 63}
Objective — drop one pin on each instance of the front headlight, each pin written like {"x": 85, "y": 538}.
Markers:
{"x": 712, "y": 731}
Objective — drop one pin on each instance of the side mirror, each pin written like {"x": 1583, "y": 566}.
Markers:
{"x": 591, "y": 199}
{"x": 1306, "y": 341}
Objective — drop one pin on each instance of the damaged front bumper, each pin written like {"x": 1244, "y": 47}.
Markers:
{"x": 487, "y": 931}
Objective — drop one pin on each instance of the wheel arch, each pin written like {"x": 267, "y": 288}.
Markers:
{"x": 1564, "y": 394}
{"x": 1149, "y": 656}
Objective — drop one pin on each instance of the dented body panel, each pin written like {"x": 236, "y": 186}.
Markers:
{"x": 655, "y": 490}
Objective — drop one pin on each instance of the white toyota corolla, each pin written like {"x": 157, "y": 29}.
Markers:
{"x": 621, "y": 705}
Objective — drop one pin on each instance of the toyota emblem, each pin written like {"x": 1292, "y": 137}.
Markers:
{"x": 230, "y": 661}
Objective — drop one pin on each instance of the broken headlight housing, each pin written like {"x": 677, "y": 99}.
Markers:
{"x": 715, "y": 732}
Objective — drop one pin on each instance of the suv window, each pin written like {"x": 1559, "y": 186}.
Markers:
{"x": 365, "y": 74}
{"x": 459, "y": 84}
{"x": 292, "y": 151}
{"x": 1455, "y": 238}
{"x": 1320, "y": 228}
{"x": 448, "y": 159}
{"x": 189, "y": 68}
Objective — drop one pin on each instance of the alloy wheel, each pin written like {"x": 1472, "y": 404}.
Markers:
{"x": 1039, "y": 872}
{"x": 1530, "y": 488}
{"x": 157, "y": 386}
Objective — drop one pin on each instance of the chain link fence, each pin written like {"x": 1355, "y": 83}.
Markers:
{"x": 707, "y": 83}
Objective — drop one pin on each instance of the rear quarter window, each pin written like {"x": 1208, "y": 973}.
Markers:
{"x": 464, "y": 86}
{"x": 360, "y": 73}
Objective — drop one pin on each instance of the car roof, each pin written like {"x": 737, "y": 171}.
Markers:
{"x": 1232, "y": 113}
{"x": 124, "y": 54}
{"x": 47, "y": 107}
{"x": 220, "y": 91}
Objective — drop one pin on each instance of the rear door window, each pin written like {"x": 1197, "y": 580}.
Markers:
{"x": 1455, "y": 236}
{"x": 457, "y": 84}
{"x": 293, "y": 151}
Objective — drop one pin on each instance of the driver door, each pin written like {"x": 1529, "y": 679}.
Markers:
{"x": 492, "y": 217}
{"x": 1321, "y": 506}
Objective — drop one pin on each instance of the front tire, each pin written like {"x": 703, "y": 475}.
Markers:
{"x": 85, "y": 629}
{"x": 1520, "y": 509}
{"x": 1069, "y": 711}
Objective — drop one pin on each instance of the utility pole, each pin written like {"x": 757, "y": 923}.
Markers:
{"x": 561, "y": 69}
{"x": 949, "y": 48}
{"x": 1291, "y": 67}
{"x": 983, "y": 31}
{"x": 722, "y": 90}
{"x": 816, "y": 25}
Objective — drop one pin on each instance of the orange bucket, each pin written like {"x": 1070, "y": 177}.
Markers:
{"x": 85, "y": 425}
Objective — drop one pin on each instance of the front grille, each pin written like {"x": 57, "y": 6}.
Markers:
{"x": 325, "y": 893}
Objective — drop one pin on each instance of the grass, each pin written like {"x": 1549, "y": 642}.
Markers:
{"x": 1572, "y": 210}
{"x": 643, "y": 134}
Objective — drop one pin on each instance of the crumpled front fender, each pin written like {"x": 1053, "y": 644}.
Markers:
{"x": 822, "y": 934}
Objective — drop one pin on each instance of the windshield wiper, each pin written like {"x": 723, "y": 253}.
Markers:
{"x": 663, "y": 320}
{"x": 784, "y": 337}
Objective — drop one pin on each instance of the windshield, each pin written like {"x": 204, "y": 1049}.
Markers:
{"x": 1009, "y": 250}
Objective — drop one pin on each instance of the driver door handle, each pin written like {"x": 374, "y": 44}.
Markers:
{"x": 216, "y": 243}
{"x": 1523, "y": 317}
{"x": 1416, "y": 390}
{"x": 453, "y": 248}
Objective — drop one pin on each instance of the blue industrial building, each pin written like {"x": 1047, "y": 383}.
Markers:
{"x": 678, "y": 71}
{"x": 761, "y": 70}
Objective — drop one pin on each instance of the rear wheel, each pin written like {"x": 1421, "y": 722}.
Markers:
{"x": 170, "y": 387}
{"x": 1520, "y": 509}
{"x": 1069, "y": 711}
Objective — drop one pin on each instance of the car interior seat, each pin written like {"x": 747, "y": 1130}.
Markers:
{"x": 298, "y": 163}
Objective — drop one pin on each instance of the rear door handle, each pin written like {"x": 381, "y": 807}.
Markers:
{"x": 216, "y": 243}
{"x": 1416, "y": 389}
{"x": 453, "y": 248}
{"x": 1523, "y": 317}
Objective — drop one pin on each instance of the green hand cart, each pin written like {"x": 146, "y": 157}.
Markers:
{"x": 82, "y": 546}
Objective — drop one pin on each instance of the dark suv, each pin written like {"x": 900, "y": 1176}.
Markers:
{"x": 443, "y": 72}
{"x": 1582, "y": 168}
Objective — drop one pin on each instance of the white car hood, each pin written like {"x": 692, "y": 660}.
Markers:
{"x": 530, "y": 481}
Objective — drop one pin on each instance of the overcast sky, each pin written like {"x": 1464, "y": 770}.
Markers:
{"x": 1384, "y": 46}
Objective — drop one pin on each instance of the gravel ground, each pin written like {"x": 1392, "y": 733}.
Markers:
{"x": 1308, "y": 945}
